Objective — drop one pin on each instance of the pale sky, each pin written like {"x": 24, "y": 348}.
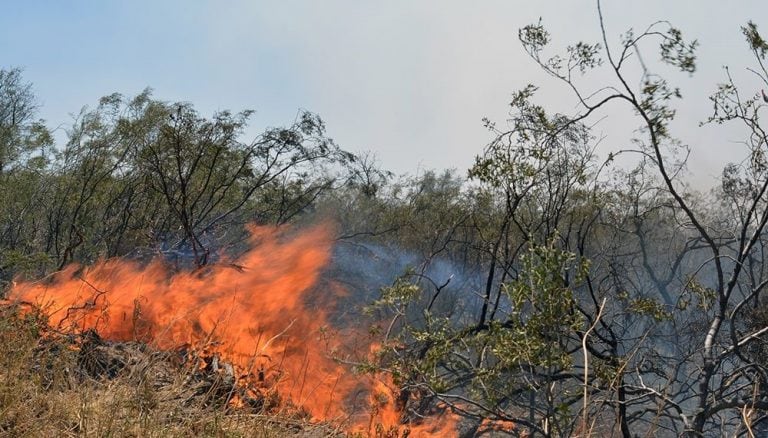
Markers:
{"x": 408, "y": 80}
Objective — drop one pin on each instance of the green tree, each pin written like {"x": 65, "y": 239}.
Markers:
{"x": 25, "y": 153}
{"x": 20, "y": 133}
{"x": 145, "y": 173}
{"x": 655, "y": 333}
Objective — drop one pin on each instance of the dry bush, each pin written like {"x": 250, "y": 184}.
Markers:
{"x": 53, "y": 384}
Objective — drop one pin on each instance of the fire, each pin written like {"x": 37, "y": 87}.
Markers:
{"x": 496, "y": 425}
{"x": 258, "y": 313}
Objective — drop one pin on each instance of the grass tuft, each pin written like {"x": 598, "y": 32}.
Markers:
{"x": 56, "y": 384}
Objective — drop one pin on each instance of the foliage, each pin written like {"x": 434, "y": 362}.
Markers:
{"x": 546, "y": 288}
{"x": 140, "y": 176}
{"x": 621, "y": 287}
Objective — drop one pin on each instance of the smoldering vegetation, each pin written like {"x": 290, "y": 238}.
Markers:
{"x": 545, "y": 291}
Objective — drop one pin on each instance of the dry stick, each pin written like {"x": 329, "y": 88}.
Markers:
{"x": 252, "y": 359}
{"x": 745, "y": 414}
{"x": 273, "y": 338}
{"x": 282, "y": 359}
{"x": 620, "y": 370}
{"x": 586, "y": 366}
{"x": 305, "y": 367}
{"x": 330, "y": 399}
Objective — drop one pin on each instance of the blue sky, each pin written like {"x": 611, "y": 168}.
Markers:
{"x": 408, "y": 80}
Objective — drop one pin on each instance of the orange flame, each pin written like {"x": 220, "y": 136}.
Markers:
{"x": 254, "y": 311}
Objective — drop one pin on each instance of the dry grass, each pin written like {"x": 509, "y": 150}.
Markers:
{"x": 57, "y": 385}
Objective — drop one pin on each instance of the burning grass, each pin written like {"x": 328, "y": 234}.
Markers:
{"x": 240, "y": 348}
{"x": 56, "y": 384}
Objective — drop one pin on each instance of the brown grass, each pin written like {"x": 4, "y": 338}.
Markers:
{"x": 52, "y": 384}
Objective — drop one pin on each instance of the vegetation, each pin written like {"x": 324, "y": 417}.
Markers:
{"x": 53, "y": 386}
{"x": 549, "y": 289}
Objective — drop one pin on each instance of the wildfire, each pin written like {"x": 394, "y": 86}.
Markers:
{"x": 257, "y": 313}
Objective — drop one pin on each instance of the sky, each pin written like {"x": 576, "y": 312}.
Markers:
{"x": 406, "y": 80}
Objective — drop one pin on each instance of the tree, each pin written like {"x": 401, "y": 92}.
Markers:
{"x": 177, "y": 181}
{"x": 24, "y": 158}
{"x": 205, "y": 174}
{"x": 652, "y": 287}
{"x": 20, "y": 134}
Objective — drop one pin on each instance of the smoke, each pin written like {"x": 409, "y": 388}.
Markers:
{"x": 285, "y": 314}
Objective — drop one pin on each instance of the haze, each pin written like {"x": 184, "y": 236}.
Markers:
{"x": 409, "y": 81}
